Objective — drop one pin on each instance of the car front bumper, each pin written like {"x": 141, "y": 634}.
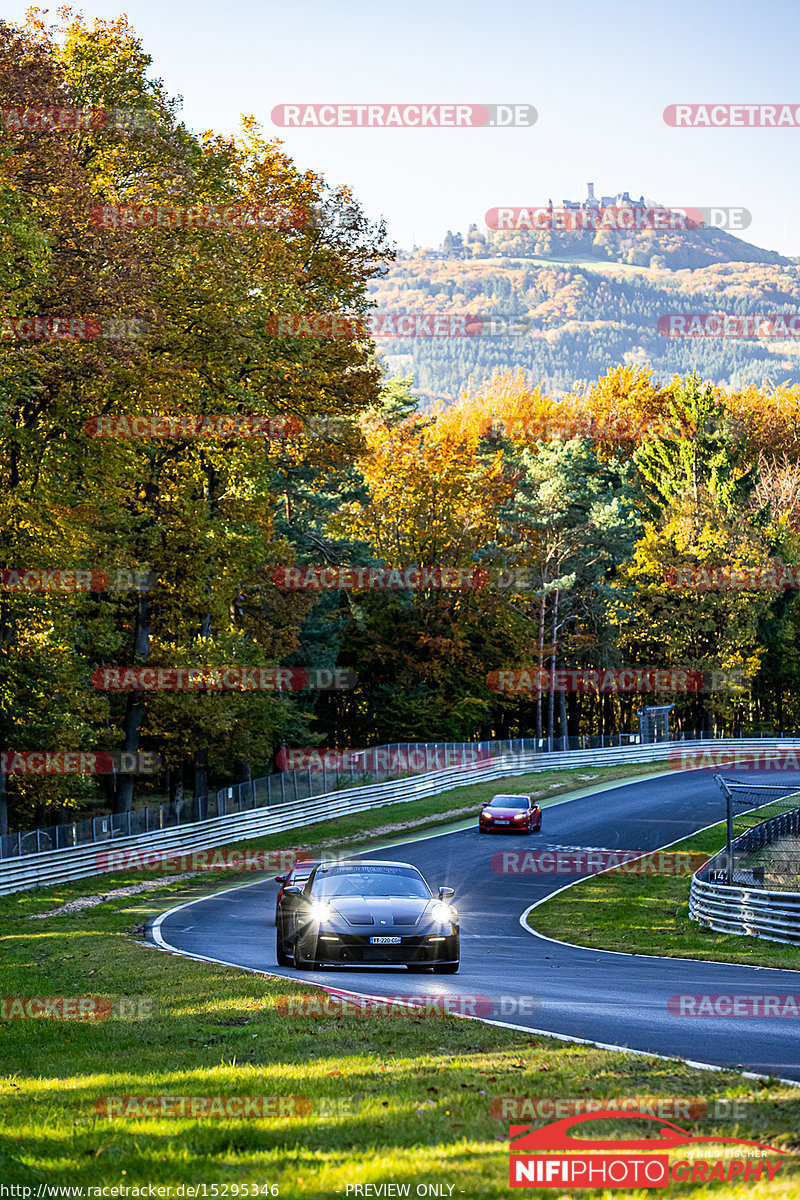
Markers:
{"x": 338, "y": 946}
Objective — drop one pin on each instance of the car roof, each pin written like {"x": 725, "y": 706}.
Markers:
{"x": 368, "y": 862}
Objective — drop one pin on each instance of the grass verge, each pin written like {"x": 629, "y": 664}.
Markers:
{"x": 649, "y": 914}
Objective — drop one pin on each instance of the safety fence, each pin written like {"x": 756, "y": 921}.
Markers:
{"x": 75, "y": 862}
{"x": 736, "y": 901}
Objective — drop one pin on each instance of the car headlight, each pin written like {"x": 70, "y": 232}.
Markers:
{"x": 442, "y": 912}
{"x": 319, "y": 911}
{"x": 521, "y": 817}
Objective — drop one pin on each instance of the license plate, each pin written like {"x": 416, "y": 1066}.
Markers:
{"x": 502, "y": 821}
{"x": 385, "y": 941}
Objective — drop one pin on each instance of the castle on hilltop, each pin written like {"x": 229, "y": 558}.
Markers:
{"x": 621, "y": 200}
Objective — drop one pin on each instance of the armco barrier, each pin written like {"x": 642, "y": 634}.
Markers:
{"x": 774, "y": 916}
{"x": 78, "y": 862}
{"x": 289, "y": 785}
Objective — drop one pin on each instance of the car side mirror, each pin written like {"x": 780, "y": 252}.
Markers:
{"x": 445, "y": 893}
{"x": 293, "y": 890}
{"x": 280, "y": 879}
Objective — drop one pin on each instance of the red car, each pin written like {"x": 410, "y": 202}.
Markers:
{"x": 512, "y": 814}
{"x": 299, "y": 874}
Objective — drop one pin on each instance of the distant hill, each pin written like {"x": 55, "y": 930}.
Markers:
{"x": 593, "y": 300}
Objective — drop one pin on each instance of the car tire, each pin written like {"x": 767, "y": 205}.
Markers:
{"x": 304, "y": 964}
{"x": 417, "y": 968}
{"x": 284, "y": 960}
{"x": 446, "y": 968}
{"x": 482, "y": 830}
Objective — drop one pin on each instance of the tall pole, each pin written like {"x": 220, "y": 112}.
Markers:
{"x": 729, "y": 828}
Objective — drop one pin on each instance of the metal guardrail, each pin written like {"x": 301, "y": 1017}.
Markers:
{"x": 78, "y": 862}
{"x": 744, "y": 906}
{"x": 292, "y": 785}
{"x": 774, "y": 916}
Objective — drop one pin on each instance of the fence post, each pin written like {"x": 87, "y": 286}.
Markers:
{"x": 37, "y": 839}
{"x": 129, "y": 822}
{"x": 728, "y": 827}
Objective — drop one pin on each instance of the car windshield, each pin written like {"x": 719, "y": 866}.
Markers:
{"x": 380, "y": 882}
{"x": 508, "y": 802}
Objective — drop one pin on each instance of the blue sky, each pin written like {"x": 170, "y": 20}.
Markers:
{"x": 600, "y": 75}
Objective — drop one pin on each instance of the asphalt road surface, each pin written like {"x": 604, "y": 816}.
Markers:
{"x": 535, "y": 983}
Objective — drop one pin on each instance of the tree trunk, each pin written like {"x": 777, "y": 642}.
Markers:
{"x": 542, "y": 609}
{"x": 134, "y": 709}
{"x": 201, "y": 773}
{"x": 552, "y": 697}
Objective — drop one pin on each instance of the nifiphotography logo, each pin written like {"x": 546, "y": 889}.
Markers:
{"x": 621, "y": 1163}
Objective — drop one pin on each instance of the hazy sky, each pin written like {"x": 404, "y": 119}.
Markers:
{"x": 599, "y": 74}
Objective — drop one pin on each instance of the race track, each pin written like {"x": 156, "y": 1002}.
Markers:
{"x": 612, "y": 999}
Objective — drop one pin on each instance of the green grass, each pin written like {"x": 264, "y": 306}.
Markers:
{"x": 649, "y": 914}
{"x": 393, "y": 1099}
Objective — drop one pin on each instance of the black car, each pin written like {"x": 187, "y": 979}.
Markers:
{"x": 370, "y": 912}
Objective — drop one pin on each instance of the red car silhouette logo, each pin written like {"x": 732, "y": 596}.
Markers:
{"x": 526, "y": 1139}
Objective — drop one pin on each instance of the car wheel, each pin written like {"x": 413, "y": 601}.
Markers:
{"x": 529, "y": 831}
{"x": 302, "y": 963}
{"x": 482, "y": 830}
{"x": 280, "y": 949}
{"x": 446, "y": 968}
